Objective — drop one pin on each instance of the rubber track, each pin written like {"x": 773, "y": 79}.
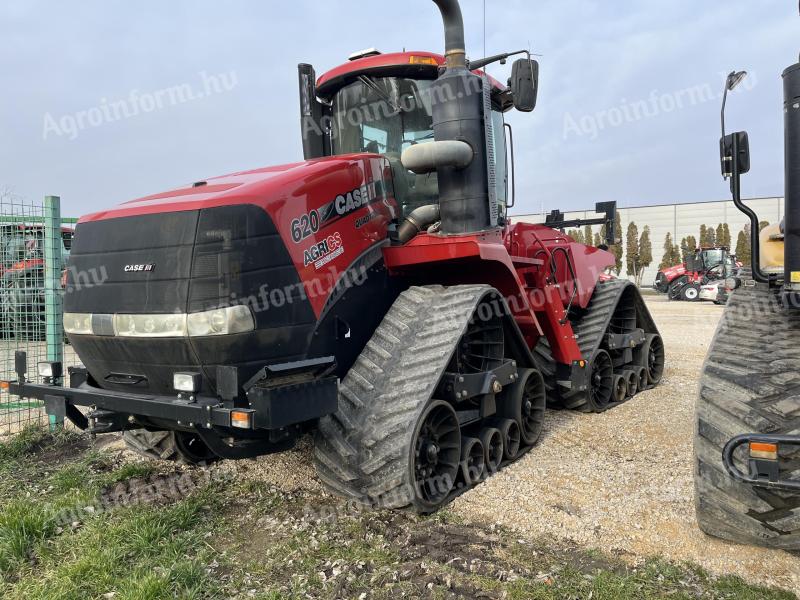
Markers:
{"x": 362, "y": 451}
{"x": 589, "y": 331}
{"x": 750, "y": 384}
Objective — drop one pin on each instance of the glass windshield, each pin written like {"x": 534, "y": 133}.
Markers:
{"x": 386, "y": 115}
{"x": 713, "y": 257}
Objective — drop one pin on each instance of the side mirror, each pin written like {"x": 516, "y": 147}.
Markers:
{"x": 524, "y": 84}
{"x": 726, "y": 153}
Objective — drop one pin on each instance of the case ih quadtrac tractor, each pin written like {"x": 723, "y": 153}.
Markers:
{"x": 376, "y": 294}
{"x": 747, "y": 443}
{"x": 684, "y": 281}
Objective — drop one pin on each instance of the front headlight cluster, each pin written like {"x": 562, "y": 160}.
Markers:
{"x": 220, "y": 321}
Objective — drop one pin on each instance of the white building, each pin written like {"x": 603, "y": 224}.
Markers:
{"x": 680, "y": 220}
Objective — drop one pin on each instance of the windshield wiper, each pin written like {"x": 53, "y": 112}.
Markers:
{"x": 373, "y": 85}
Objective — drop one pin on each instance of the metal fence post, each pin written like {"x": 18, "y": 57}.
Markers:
{"x": 52, "y": 285}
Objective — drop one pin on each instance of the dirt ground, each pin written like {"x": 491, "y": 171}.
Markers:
{"x": 620, "y": 482}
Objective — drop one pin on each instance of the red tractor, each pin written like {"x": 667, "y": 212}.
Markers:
{"x": 684, "y": 281}
{"x": 375, "y": 294}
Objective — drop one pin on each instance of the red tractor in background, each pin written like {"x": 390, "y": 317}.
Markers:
{"x": 684, "y": 281}
{"x": 375, "y": 294}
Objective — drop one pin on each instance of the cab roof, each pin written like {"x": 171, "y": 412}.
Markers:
{"x": 415, "y": 65}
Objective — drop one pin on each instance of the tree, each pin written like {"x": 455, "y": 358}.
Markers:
{"x": 588, "y": 236}
{"x": 743, "y": 248}
{"x": 668, "y": 259}
{"x": 676, "y": 254}
{"x": 576, "y": 234}
{"x": 598, "y": 240}
{"x": 726, "y": 232}
{"x": 720, "y": 235}
{"x": 711, "y": 236}
{"x": 761, "y": 225}
{"x": 645, "y": 254}
{"x": 632, "y": 250}
{"x": 691, "y": 246}
{"x": 703, "y": 235}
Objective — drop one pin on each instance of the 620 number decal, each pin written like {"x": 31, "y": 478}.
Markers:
{"x": 305, "y": 226}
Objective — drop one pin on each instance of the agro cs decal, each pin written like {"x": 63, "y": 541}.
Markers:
{"x": 323, "y": 252}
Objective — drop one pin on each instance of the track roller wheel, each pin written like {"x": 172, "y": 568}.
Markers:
{"x": 493, "y": 451}
{"x": 601, "y": 381}
{"x": 473, "y": 460}
{"x": 525, "y": 402}
{"x": 511, "y": 437}
{"x": 437, "y": 450}
{"x": 651, "y": 355}
{"x": 643, "y": 381}
{"x": 632, "y": 379}
{"x": 620, "y": 388}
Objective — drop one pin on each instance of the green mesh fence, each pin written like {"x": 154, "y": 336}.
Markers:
{"x": 34, "y": 246}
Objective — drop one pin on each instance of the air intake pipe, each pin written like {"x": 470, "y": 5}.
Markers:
{"x": 459, "y": 103}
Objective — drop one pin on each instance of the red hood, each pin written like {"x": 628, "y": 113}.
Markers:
{"x": 672, "y": 272}
{"x": 258, "y": 187}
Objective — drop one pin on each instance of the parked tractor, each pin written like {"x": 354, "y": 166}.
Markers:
{"x": 375, "y": 294}
{"x": 707, "y": 265}
{"x": 747, "y": 442}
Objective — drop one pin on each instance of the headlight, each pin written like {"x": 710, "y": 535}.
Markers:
{"x": 222, "y": 321}
{"x": 150, "y": 325}
{"x": 78, "y": 323}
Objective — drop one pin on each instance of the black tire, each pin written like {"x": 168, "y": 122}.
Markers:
{"x": 512, "y": 437}
{"x": 525, "y": 402}
{"x": 749, "y": 384}
{"x": 473, "y": 465}
{"x": 690, "y": 292}
{"x": 675, "y": 287}
{"x": 620, "y": 388}
{"x": 493, "y": 448}
{"x": 601, "y": 381}
{"x": 651, "y": 355}
{"x": 632, "y": 378}
{"x": 182, "y": 447}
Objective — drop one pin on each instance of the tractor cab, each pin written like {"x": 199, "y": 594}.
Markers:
{"x": 383, "y": 104}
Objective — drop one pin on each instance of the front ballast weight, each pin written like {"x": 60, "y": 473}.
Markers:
{"x": 263, "y": 415}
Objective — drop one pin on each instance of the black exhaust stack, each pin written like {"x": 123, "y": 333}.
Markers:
{"x": 461, "y": 108}
{"x": 791, "y": 109}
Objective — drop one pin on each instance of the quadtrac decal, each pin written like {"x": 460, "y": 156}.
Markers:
{"x": 323, "y": 252}
{"x": 311, "y": 222}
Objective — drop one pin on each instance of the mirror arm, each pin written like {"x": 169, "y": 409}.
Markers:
{"x": 736, "y": 191}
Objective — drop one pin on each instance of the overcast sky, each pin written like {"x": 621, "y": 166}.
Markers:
{"x": 628, "y": 104}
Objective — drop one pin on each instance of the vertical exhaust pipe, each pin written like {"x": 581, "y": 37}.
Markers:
{"x": 791, "y": 134}
{"x": 462, "y": 113}
{"x": 454, "y": 47}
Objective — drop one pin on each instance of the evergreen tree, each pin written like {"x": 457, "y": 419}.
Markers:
{"x": 726, "y": 232}
{"x": 598, "y": 240}
{"x": 666, "y": 260}
{"x": 645, "y": 254}
{"x": 632, "y": 250}
{"x": 720, "y": 235}
{"x": 711, "y": 237}
{"x": 588, "y": 236}
{"x": 703, "y": 235}
{"x": 691, "y": 246}
{"x": 743, "y": 253}
{"x": 762, "y": 224}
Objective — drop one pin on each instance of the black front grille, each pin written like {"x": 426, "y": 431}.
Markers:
{"x": 199, "y": 260}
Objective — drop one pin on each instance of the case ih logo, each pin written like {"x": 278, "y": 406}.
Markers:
{"x": 139, "y": 268}
{"x": 324, "y": 252}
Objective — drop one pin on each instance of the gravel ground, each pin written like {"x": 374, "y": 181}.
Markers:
{"x": 620, "y": 482}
